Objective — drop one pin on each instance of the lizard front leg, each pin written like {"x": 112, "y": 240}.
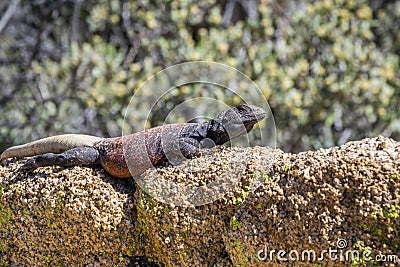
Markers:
{"x": 72, "y": 157}
{"x": 180, "y": 149}
{"x": 191, "y": 147}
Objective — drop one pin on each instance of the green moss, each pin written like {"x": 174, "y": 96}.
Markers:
{"x": 59, "y": 205}
{"x": 386, "y": 219}
{"x": 120, "y": 257}
{"x": 268, "y": 178}
{"x": 243, "y": 194}
{"x": 51, "y": 224}
{"x": 286, "y": 168}
{"x": 235, "y": 223}
{"x": 392, "y": 213}
{"x": 5, "y": 215}
{"x": 136, "y": 239}
{"x": 56, "y": 212}
{"x": 148, "y": 203}
{"x": 242, "y": 259}
{"x": 52, "y": 261}
{"x": 262, "y": 176}
{"x": 130, "y": 251}
{"x": 210, "y": 250}
{"x": 256, "y": 259}
{"x": 361, "y": 248}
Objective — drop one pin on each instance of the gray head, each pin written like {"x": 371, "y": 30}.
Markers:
{"x": 240, "y": 119}
{"x": 227, "y": 125}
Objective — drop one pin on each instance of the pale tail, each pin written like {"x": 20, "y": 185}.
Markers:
{"x": 54, "y": 144}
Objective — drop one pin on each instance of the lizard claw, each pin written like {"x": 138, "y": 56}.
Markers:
{"x": 28, "y": 166}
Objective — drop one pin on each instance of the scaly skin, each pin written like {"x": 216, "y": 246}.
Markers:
{"x": 144, "y": 149}
{"x": 112, "y": 156}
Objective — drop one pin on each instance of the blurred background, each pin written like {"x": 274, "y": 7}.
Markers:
{"x": 329, "y": 69}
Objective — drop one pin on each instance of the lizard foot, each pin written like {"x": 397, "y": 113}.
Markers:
{"x": 28, "y": 166}
{"x": 35, "y": 162}
{"x": 73, "y": 157}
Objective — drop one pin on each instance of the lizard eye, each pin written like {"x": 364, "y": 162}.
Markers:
{"x": 241, "y": 107}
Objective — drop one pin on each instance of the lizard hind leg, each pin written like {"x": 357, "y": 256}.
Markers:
{"x": 72, "y": 157}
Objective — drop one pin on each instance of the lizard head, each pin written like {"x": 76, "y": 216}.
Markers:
{"x": 227, "y": 125}
{"x": 240, "y": 119}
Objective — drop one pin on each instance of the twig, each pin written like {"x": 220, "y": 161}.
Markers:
{"x": 75, "y": 21}
{"x": 9, "y": 13}
{"x": 229, "y": 8}
{"x": 251, "y": 8}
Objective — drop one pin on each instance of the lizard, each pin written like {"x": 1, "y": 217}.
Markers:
{"x": 112, "y": 153}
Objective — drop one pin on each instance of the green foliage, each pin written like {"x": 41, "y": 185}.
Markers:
{"x": 337, "y": 79}
{"x": 328, "y": 68}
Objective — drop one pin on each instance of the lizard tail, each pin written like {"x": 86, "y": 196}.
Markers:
{"x": 54, "y": 144}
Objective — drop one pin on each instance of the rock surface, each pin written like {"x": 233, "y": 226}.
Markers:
{"x": 343, "y": 198}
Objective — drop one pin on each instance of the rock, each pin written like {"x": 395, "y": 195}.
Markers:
{"x": 59, "y": 217}
{"x": 349, "y": 201}
{"x": 343, "y": 198}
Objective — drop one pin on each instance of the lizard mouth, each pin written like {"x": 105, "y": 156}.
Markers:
{"x": 250, "y": 113}
{"x": 260, "y": 115}
{"x": 246, "y": 117}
